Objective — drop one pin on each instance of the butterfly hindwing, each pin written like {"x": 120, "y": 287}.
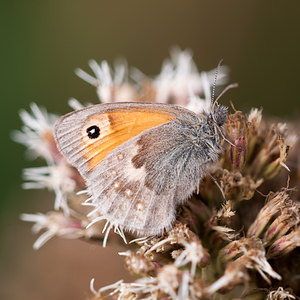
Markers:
{"x": 118, "y": 190}
{"x": 139, "y": 185}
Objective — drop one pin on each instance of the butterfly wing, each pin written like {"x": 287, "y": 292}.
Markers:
{"x": 133, "y": 168}
{"x": 118, "y": 122}
{"x": 120, "y": 193}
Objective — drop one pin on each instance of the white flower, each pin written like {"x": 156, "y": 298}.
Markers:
{"x": 55, "y": 224}
{"x": 197, "y": 104}
{"x": 75, "y": 104}
{"x": 124, "y": 290}
{"x": 55, "y": 177}
{"x": 179, "y": 80}
{"x": 37, "y": 132}
{"x": 169, "y": 280}
{"x": 112, "y": 85}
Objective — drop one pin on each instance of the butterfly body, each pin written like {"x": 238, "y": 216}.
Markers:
{"x": 140, "y": 160}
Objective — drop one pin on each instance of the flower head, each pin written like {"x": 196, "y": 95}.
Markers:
{"x": 112, "y": 85}
{"x": 37, "y": 133}
{"x": 216, "y": 244}
{"x": 250, "y": 253}
{"x": 179, "y": 81}
{"x": 55, "y": 224}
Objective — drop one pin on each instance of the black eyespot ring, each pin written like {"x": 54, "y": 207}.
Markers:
{"x": 93, "y": 132}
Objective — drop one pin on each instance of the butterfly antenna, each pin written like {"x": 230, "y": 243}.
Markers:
{"x": 228, "y": 87}
{"x": 215, "y": 81}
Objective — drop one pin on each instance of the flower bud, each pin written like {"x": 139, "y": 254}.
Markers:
{"x": 236, "y": 128}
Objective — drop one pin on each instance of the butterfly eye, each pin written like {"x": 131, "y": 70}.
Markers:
{"x": 220, "y": 115}
{"x": 93, "y": 132}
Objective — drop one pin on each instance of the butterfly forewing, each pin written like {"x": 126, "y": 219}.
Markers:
{"x": 118, "y": 123}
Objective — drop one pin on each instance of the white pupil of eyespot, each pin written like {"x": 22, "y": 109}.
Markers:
{"x": 93, "y": 132}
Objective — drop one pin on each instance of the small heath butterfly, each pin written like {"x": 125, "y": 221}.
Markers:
{"x": 141, "y": 160}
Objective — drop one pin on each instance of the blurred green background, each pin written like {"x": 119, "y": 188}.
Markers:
{"x": 42, "y": 42}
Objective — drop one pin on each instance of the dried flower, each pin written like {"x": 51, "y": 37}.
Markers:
{"x": 179, "y": 234}
{"x": 280, "y": 294}
{"x": 250, "y": 253}
{"x": 193, "y": 253}
{"x": 236, "y": 187}
{"x": 137, "y": 263}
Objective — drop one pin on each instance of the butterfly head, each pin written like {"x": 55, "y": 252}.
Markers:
{"x": 219, "y": 115}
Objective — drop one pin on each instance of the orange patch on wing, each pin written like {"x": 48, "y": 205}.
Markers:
{"x": 115, "y": 129}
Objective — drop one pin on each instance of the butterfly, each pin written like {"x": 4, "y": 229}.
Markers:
{"x": 140, "y": 161}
